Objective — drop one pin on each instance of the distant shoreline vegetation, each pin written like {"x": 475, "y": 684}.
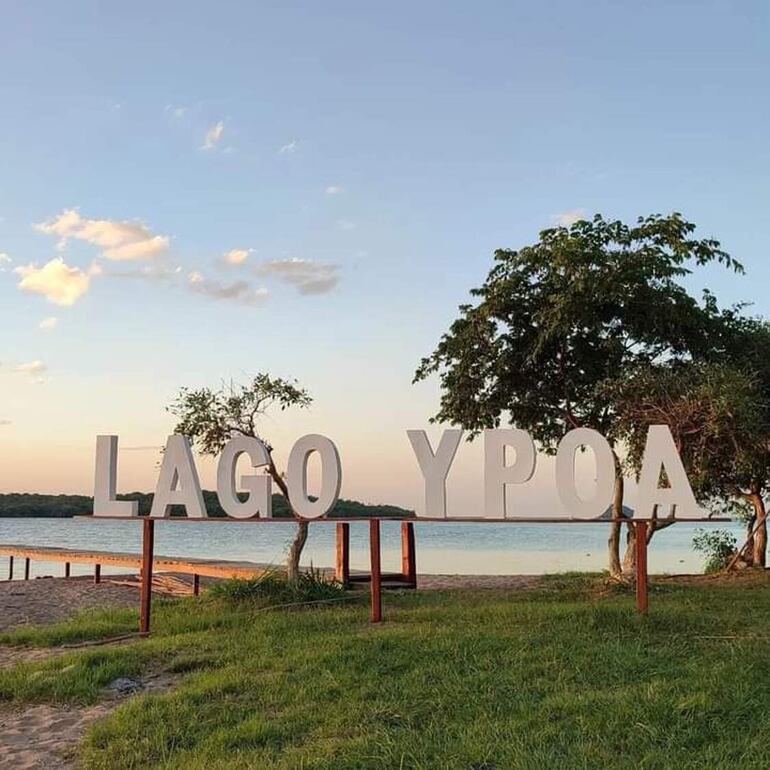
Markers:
{"x": 18, "y": 505}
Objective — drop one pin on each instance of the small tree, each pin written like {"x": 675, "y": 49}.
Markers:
{"x": 209, "y": 418}
{"x": 558, "y": 320}
{"x": 718, "y": 416}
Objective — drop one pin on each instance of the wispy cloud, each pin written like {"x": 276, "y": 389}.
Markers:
{"x": 139, "y": 448}
{"x": 120, "y": 240}
{"x": 176, "y": 111}
{"x": 48, "y": 324}
{"x": 569, "y": 217}
{"x": 56, "y": 281}
{"x": 5, "y": 260}
{"x": 32, "y": 369}
{"x": 236, "y": 257}
{"x": 213, "y": 136}
{"x": 238, "y": 291}
{"x": 289, "y": 148}
{"x": 346, "y": 224}
{"x": 307, "y": 276}
{"x": 334, "y": 189}
{"x": 155, "y": 272}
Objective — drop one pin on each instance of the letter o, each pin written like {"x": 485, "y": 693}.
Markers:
{"x": 296, "y": 476}
{"x": 596, "y": 505}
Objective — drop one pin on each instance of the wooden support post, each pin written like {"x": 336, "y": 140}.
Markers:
{"x": 376, "y": 581}
{"x": 66, "y": 569}
{"x": 26, "y": 569}
{"x": 148, "y": 543}
{"x": 10, "y": 568}
{"x": 343, "y": 554}
{"x": 641, "y": 567}
{"x": 408, "y": 554}
{"x": 97, "y": 573}
{"x": 196, "y": 585}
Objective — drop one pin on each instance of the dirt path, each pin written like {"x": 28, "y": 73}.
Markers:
{"x": 45, "y": 737}
{"x": 49, "y": 600}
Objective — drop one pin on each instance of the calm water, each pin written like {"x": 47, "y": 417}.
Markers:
{"x": 483, "y": 549}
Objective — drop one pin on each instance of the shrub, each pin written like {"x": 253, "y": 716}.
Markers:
{"x": 718, "y": 546}
{"x": 272, "y": 587}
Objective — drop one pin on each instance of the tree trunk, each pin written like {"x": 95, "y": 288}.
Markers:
{"x": 760, "y": 532}
{"x": 613, "y": 542}
{"x": 295, "y": 551}
{"x": 629, "y": 557}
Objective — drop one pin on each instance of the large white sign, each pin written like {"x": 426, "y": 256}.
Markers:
{"x": 178, "y": 482}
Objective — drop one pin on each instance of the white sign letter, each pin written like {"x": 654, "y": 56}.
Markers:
{"x": 178, "y": 482}
{"x": 296, "y": 476}
{"x": 435, "y": 467}
{"x": 260, "y": 499}
{"x": 497, "y": 474}
{"x": 565, "y": 473}
{"x": 660, "y": 454}
{"x": 106, "y": 482}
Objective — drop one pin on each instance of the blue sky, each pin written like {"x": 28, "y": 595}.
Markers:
{"x": 362, "y": 161}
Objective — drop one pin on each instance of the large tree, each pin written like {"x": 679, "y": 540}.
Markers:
{"x": 209, "y": 418}
{"x": 556, "y": 321}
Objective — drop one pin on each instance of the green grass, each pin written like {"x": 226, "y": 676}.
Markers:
{"x": 562, "y": 677}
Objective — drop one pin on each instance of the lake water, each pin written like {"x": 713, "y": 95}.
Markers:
{"x": 446, "y": 548}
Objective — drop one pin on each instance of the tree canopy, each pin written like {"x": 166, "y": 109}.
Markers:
{"x": 557, "y": 320}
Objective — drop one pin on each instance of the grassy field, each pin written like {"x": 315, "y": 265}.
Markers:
{"x": 567, "y": 676}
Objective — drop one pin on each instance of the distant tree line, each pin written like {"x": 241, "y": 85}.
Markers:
{"x": 19, "y": 505}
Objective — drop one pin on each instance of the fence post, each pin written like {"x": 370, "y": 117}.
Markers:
{"x": 343, "y": 553}
{"x": 376, "y": 581}
{"x": 97, "y": 573}
{"x": 10, "y": 568}
{"x": 26, "y": 569}
{"x": 148, "y": 543}
{"x": 196, "y": 585}
{"x": 642, "y": 593}
{"x": 408, "y": 554}
{"x": 66, "y": 569}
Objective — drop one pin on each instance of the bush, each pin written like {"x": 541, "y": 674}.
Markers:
{"x": 272, "y": 587}
{"x": 718, "y": 546}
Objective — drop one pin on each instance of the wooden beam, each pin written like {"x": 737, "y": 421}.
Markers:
{"x": 148, "y": 545}
{"x": 26, "y": 569}
{"x": 642, "y": 591}
{"x": 343, "y": 554}
{"x": 97, "y": 573}
{"x": 66, "y": 569}
{"x": 376, "y": 584}
{"x": 408, "y": 554}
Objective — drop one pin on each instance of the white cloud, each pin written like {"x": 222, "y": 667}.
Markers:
{"x": 238, "y": 291}
{"x": 236, "y": 256}
{"x": 47, "y": 324}
{"x": 289, "y": 148}
{"x": 120, "y": 240}
{"x": 333, "y": 189}
{"x": 4, "y": 261}
{"x": 345, "y": 224}
{"x": 177, "y": 112}
{"x": 213, "y": 136}
{"x": 33, "y": 368}
{"x": 567, "y": 218}
{"x": 308, "y": 276}
{"x": 56, "y": 281}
